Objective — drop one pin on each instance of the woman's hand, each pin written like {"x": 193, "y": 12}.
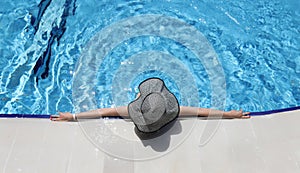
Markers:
{"x": 237, "y": 114}
{"x": 67, "y": 116}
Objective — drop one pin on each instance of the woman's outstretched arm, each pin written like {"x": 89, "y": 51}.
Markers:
{"x": 102, "y": 112}
{"x": 122, "y": 111}
{"x": 205, "y": 112}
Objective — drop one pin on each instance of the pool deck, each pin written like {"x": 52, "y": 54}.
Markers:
{"x": 266, "y": 144}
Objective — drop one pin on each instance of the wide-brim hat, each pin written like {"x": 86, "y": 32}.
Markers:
{"x": 154, "y": 108}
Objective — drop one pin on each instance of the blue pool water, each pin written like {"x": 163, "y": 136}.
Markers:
{"x": 43, "y": 42}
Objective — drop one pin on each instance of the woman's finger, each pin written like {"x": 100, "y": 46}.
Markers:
{"x": 53, "y": 118}
{"x": 56, "y": 118}
{"x": 246, "y": 116}
{"x": 246, "y": 113}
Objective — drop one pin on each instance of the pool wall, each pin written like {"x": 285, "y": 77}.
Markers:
{"x": 267, "y": 144}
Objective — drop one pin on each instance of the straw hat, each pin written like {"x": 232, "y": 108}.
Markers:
{"x": 154, "y": 108}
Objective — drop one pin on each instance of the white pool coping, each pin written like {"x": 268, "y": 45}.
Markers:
{"x": 266, "y": 144}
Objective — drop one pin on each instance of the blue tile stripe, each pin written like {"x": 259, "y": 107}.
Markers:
{"x": 24, "y": 116}
{"x": 274, "y": 111}
{"x": 48, "y": 116}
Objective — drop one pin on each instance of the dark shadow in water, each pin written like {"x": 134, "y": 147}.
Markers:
{"x": 42, "y": 66}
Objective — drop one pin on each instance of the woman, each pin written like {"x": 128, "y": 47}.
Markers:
{"x": 154, "y": 101}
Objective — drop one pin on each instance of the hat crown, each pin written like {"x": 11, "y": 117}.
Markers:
{"x": 153, "y": 107}
{"x": 150, "y": 86}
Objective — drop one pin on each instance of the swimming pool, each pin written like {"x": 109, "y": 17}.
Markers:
{"x": 43, "y": 44}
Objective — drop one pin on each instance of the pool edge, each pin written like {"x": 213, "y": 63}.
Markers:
{"x": 45, "y": 116}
